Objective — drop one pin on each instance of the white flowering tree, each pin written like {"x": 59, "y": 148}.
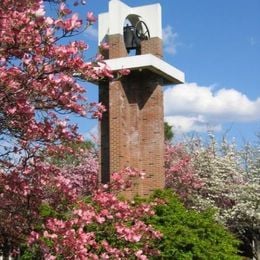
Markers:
{"x": 229, "y": 182}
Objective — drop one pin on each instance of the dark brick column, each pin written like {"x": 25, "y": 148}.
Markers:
{"x": 132, "y": 129}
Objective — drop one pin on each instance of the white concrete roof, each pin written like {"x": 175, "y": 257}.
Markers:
{"x": 170, "y": 74}
{"x": 112, "y": 22}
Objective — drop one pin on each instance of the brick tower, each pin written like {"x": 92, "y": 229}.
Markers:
{"x": 132, "y": 128}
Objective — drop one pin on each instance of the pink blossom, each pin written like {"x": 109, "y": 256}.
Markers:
{"x": 40, "y": 12}
{"x": 124, "y": 72}
{"x": 104, "y": 46}
{"x": 11, "y": 110}
{"x": 34, "y": 236}
{"x": 99, "y": 57}
{"x": 49, "y": 21}
{"x": 64, "y": 10}
{"x": 72, "y": 23}
{"x": 50, "y": 257}
{"x": 91, "y": 18}
{"x": 139, "y": 254}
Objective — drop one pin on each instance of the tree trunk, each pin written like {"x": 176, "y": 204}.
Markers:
{"x": 6, "y": 250}
{"x": 256, "y": 248}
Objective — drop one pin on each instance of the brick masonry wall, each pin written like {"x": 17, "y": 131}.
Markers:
{"x": 152, "y": 46}
{"x": 133, "y": 133}
{"x": 116, "y": 46}
{"x": 132, "y": 129}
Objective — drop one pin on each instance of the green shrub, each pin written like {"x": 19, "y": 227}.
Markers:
{"x": 188, "y": 234}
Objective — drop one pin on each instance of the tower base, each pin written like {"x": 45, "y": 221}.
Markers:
{"x": 132, "y": 130}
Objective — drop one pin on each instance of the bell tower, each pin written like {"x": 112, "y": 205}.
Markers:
{"x": 132, "y": 128}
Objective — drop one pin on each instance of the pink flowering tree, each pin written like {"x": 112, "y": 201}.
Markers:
{"x": 180, "y": 174}
{"x": 98, "y": 226}
{"x": 37, "y": 88}
{"x": 39, "y": 85}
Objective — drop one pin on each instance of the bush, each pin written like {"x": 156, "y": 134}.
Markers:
{"x": 188, "y": 234}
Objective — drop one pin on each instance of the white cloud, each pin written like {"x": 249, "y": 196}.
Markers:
{"x": 169, "y": 40}
{"x": 190, "y": 107}
{"x": 184, "y": 124}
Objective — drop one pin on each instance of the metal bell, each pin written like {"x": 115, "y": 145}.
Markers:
{"x": 132, "y": 42}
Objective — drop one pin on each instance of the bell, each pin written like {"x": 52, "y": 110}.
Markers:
{"x": 132, "y": 42}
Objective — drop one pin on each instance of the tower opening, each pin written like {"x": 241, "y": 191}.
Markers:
{"x": 135, "y": 31}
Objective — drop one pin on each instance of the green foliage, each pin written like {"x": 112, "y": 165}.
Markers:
{"x": 46, "y": 210}
{"x": 168, "y": 133}
{"x": 188, "y": 234}
{"x": 29, "y": 255}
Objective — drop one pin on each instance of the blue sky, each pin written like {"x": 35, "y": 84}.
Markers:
{"x": 217, "y": 45}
